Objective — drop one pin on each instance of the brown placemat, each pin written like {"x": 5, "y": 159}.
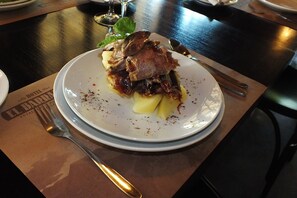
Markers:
{"x": 39, "y": 7}
{"x": 59, "y": 169}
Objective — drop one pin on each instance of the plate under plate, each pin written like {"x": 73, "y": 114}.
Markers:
{"x": 120, "y": 143}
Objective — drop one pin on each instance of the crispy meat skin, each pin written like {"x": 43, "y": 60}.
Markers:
{"x": 139, "y": 64}
{"x": 134, "y": 42}
{"x": 150, "y": 61}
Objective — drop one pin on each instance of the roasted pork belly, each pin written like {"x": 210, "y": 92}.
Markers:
{"x": 141, "y": 65}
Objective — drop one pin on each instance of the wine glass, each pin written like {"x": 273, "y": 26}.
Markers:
{"x": 108, "y": 19}
{"x": 124, "y": 4}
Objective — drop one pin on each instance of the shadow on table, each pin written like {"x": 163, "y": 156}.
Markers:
{"x": 13, "y": 182}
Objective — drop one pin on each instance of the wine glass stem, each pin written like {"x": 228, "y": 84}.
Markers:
{"x": 111, "y": 8}
{"x": 123, "y": 8}
{"x": 110, "y": 31}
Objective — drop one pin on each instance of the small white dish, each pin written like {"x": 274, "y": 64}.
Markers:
{"x": 16, "y": 6}
{"x": 119, "y": 143}
{"x": 88, "y": 94}
{"x": 4, "y": 86}
{"x": 282, "y": 6}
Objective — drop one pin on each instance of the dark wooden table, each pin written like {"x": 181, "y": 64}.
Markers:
{"x": 37, "y": 47}
{"x": 34, "y": 48}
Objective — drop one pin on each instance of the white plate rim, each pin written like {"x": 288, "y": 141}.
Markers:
{"x": 112, "y": 141}
{"x": 12, "y": 2}
{"x": 4, "y": 86}
{"x": 277, "y": 7}
{"x": 144, "y": 138}
{"x": 16, "y": 6}
{"x": 204, "y": 2}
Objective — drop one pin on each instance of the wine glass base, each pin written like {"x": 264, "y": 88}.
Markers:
{"x": 106, "y": 19}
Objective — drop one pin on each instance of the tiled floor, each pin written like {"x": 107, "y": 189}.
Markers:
{"x": 239, "y": 169}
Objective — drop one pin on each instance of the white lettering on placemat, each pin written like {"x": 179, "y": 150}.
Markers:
{"x": 28, "y": 105}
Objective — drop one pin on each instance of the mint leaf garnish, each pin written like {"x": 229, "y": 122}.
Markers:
{"x": 122, "y": 28}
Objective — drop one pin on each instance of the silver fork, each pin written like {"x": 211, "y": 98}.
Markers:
{"x": 55, "y": 126}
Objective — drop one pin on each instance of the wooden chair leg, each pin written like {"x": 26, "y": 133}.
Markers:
{"x": 211, "y": 187}
{"x": 277, "y": 146}
{"x": 292, "y": 146}
{"x": 285, "y": 156}
{"x": 272, "y": 171}
{"x": 198, "y": 186}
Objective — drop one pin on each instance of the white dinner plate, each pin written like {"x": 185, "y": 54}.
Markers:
{"x": 224, "y": 2}
{"x": 4, "y": 86}
{"x": 281, "y": 5}
{"x": 113, "y": 141}
{"x": 16, "y": 6}
{"x": 89, "y": 95}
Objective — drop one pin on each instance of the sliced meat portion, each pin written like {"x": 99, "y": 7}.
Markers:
{"x": 128, "y": 47}
{"x": 141, "y": 65}
{"x": 150, "y": 61}
{"x": 134, "y": 42}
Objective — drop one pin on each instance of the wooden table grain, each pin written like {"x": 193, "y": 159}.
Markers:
{"x": 37, "y": 47}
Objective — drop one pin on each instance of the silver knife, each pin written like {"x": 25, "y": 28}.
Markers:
{"x": 178, "y": 47}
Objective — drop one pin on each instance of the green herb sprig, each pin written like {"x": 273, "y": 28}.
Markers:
{"x": 122, "y": 28}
